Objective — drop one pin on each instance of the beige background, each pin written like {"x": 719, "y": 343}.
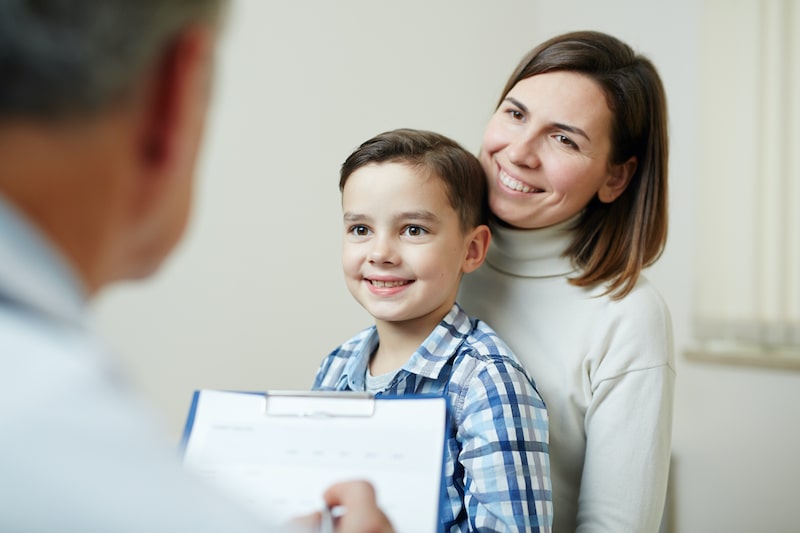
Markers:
{"x": 254, "y": 298}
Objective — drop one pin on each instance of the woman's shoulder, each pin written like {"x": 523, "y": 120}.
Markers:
{"x": 644, "y": 304}
{"x": 636, "y": 329}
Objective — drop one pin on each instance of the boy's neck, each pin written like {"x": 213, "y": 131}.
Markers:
{"x": 397, "y": 343}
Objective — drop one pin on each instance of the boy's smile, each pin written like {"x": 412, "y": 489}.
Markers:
{"x": 403, "y": 248}
{"x": 388, "y": 286}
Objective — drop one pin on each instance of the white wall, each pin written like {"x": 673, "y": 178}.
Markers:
{"x": 254, "y": 297}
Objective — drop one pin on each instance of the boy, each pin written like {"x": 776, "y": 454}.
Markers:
{"x": 415, "y": 213}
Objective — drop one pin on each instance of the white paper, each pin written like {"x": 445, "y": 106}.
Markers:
{"x": 279, "y": 465}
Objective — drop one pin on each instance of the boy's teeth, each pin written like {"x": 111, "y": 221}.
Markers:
{"x": 511, "y": 183}
{"x": 387, "y": 284}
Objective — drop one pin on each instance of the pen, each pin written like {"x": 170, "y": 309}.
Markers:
{"x": 326, "y": 523}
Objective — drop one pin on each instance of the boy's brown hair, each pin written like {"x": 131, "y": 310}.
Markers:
{"x": 436, "y": 155}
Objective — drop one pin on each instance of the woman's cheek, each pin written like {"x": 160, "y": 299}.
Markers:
{"x": 485, "y": 160}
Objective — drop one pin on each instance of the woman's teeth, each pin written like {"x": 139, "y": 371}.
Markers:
{"x": 514, "y": 184}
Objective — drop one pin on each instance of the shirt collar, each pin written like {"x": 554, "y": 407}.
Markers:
{"x": 33, "y": 273}
{"x": 355, "y": 370}
{"x": 427, "y": 361}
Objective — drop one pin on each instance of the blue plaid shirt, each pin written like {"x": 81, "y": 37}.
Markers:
{"x": 497, "y": 468}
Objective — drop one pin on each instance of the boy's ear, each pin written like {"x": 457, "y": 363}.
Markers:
{"x": 477, "y": 245}
{"x": 618, "y": 179}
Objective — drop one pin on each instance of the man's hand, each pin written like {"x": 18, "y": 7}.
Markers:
{"x": 361, "y": 512}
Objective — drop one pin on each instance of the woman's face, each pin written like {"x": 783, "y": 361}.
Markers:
{"x": 546, "y": 151}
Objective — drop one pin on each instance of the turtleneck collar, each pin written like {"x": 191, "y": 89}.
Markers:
{"x": 531, "y": 252}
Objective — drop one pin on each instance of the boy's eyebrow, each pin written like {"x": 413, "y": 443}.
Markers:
{"x": 422, "y": 214}
{"x": 559, "y": 125}
{"x": 353, "y": 217}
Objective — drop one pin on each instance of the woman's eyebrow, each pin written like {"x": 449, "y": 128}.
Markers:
{"x": 566, "y": 127}
{"x": 517, "y": 103}
{"x": 572, "y": 129}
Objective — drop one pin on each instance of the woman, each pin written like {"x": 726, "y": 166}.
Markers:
{"x": 576, "y": 158}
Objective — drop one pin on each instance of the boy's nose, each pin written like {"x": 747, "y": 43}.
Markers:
{"x": 382, "y": 251}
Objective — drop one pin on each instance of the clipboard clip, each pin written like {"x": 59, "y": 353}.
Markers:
{"x": 319, "y": 404}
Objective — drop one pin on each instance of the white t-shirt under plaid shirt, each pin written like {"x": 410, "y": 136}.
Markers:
{"x": 497, "y": 470}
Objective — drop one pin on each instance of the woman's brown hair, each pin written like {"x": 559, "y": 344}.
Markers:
{"x": 615, "y": 241}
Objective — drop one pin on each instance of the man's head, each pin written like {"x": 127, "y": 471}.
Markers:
{"x": 102, "y": 107}
{"x": 72, "y": 58}
{"x": 414, "y": 206}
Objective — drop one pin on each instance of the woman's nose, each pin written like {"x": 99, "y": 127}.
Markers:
{"x": 523, "y": 151}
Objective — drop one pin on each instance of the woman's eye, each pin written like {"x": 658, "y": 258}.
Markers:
{"x": 414, "y": 231}
{"x": 566, "y": 141}
{"x": 515, "y": 114}
{"x": 358, "y": 230}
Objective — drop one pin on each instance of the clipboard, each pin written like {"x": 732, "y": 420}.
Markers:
{"x": 276, "y": 452}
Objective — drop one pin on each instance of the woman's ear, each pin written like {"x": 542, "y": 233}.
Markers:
{"x": 477, "y": 245}
{"x": 618, "y": 179}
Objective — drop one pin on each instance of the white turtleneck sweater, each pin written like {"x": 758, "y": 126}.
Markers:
{"x": 604, "y": 367}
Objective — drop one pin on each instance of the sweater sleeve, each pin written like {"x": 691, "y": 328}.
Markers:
{"x": 628, "y": 424}
{"x": 624, "y": 481}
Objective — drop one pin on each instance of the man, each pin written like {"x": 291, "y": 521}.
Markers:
{"x": 102, "y": 107}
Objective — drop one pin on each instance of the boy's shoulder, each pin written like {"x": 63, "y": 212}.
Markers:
{"x": 485, "y": 340}
{"x": 485, "y": 344}
{"x": 484, "y": 357}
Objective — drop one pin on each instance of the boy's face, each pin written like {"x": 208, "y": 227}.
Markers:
{"x": 404, "y": 250}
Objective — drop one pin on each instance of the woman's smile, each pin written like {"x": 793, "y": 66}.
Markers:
{"x": 515, "y": 184}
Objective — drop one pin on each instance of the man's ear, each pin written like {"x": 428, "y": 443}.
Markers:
{"x": 618, "y": 179}
{"x": 477, "y": 245}
{"x": 175, "y": 100}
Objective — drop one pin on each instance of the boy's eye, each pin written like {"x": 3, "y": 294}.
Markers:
{"x": 414, "y": 231}
{"x": 359, "y": 230}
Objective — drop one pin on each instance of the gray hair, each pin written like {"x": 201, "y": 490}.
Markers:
{"x": 75, "y": 57}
